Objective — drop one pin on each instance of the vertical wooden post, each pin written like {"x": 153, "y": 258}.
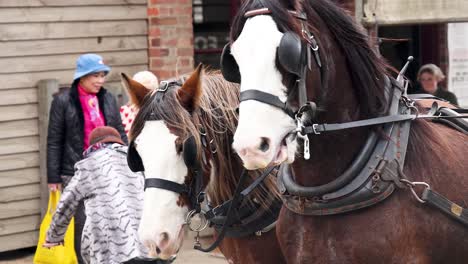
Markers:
{"x": 45, "y": 90}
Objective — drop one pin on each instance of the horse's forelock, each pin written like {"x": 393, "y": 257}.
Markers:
{"x": 279, "y": 12}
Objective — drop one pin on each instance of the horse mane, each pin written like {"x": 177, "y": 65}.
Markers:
{"x": 217, "y": 110}
{"x": 367, "y": 69}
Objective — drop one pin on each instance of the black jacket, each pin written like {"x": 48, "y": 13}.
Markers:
{"x": 66, "y": 130}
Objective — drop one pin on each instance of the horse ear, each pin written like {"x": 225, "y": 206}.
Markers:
{"x": 136, "y": 90}
{"x": 190, "y": 92}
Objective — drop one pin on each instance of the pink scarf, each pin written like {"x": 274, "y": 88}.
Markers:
{"x": 93, "y": 116}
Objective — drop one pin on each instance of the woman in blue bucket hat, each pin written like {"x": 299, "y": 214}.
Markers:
{"x": 74, "y": 113}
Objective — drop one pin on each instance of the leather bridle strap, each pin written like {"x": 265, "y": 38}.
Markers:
{"x": 236, "y": 201}
{"x": 312, "y": 46}
{"x": 221, "y": 209}
{"x": 267, "y": 98}
{"x": 445, "y": 205}
{"x": 166, "y": 185}
{"x": 319, "y": 128}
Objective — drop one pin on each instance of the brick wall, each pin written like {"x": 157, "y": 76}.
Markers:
{"x": 170, "y": 34}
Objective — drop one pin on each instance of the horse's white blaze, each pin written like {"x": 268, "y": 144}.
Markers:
{"x": 255, "y": 53}
{"x": 156, "y": 146}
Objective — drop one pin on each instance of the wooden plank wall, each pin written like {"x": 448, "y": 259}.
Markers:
{"x": 41, "y": 39}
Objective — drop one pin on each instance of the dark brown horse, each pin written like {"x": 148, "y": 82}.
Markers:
{"x": 346, "y": 79}
{"x": 203, "y": 108}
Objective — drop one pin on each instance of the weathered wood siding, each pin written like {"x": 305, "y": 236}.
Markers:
{"x": 397, "y": 12}
{"x": 41, "y": 39}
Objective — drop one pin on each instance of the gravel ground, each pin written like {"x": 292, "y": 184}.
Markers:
{"x": 186, "y": 255}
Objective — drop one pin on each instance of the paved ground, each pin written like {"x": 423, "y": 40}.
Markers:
{"x": 186, "y": 255}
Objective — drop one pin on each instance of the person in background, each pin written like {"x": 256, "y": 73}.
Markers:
{"x": 113, "y": 197}
{"x": 429, "y": 77}
{"x": 128, "y": 111}
{"x": 74, "y": 113}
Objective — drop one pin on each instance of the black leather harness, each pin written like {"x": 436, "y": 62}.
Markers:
{"x": 377, "y": 170}
{"x": 367, "y": 181}
{"x": 248, "y": 219}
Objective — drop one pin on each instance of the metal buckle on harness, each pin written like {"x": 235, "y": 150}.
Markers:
{"x": 311, "y": 39}
{"x": 314, "y": 127}
{"x": 410, "y": 104}
{"x": 306, "y": 145}
{"x": 163, "y": 86}
{"x": 305, "y": 138}
{"x": 202, "y": 225}
{"x": 411, "y": 185}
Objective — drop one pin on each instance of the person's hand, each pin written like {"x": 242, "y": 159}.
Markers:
{"x": 50, "y": 244}
{"x": 54, "y": 187}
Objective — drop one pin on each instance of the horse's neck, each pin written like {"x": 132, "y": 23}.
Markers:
{"x": 330, "y": 157}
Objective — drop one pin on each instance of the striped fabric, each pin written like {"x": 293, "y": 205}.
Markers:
{"x": 113, "y": 198}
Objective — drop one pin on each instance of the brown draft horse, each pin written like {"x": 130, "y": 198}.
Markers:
{"x": 205, "y": 100}
{"x": 397, "y": 230}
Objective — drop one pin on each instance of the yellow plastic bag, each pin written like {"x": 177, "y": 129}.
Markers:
{"x": 62, "y": 254}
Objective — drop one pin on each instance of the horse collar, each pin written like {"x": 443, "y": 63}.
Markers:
{"x": 370, "y": 179}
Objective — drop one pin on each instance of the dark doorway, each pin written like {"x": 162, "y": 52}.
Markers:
{"x": 426, "y": 43}
{"x": 397, "y": 43}
{"x": 211, "y": 25}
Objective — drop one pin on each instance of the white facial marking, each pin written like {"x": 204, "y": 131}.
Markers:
{"x": 255, "y": 53}
{"x": 156, "y": 146}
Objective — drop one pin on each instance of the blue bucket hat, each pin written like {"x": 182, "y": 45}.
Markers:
{"x": 89, "y": 63}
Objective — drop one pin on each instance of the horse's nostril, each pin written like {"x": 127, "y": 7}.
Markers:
{"x": 264, "y": 144}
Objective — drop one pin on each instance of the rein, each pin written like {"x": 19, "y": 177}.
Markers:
{"x": 236, "y": 200}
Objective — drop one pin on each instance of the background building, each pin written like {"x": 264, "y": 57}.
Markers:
{"x": 41, "y": 39}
